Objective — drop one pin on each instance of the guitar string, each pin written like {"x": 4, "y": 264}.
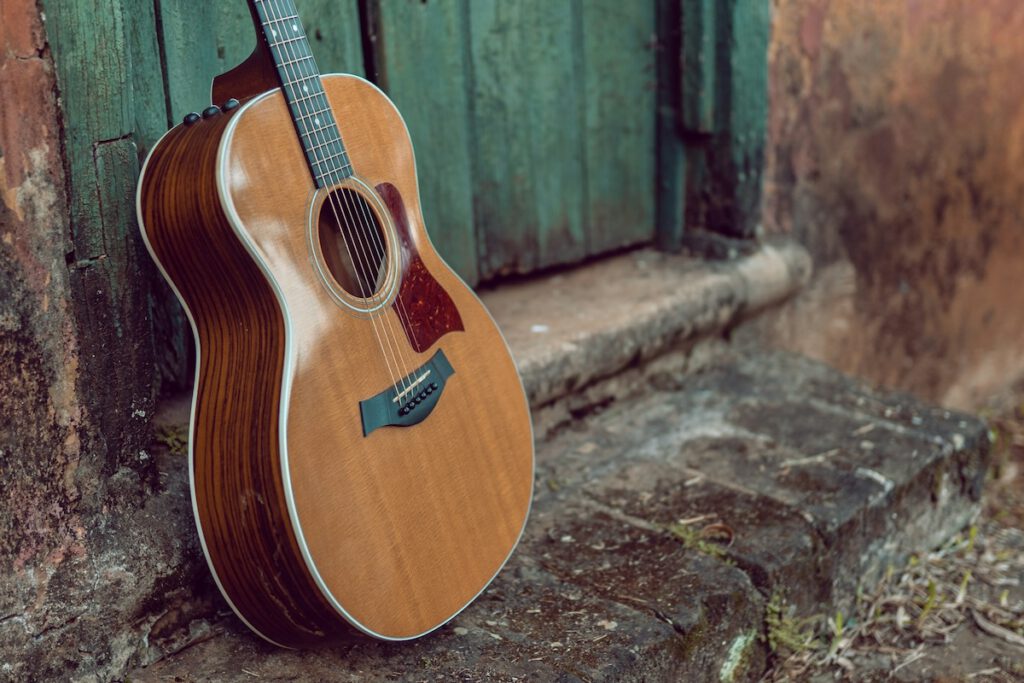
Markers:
{"x": 291, "y": 81}
{"x": 401, "y": 256}
{"x": 277, "y": 17}
{"x": 367, "y": 229}
{"x": 365, "y": 223}
{"x": 358, "y": 212}
{"x": 417, "y": 437}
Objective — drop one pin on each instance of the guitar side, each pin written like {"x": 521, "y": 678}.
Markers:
{"x": 239, "y": 337}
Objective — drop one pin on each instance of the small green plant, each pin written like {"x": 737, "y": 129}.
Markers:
{"x": 174, "y": 438}
{"x": 694, "y": 539}
{"x": 929, "y": 603}
{"x": 838, "y": 627}
{"x": 786, "y": 634}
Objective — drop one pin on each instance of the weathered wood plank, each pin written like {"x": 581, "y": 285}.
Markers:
{"x": 619, "y": 84}
{"x": 421, "y": 58}
{"x": 202, "y": 40}
{"x": 94, "y": 44}
{"x": 725, "y": 173}
{"x": 670, "y": 154}
{"x": 698, "y": 66}
{"x": 334, "y": 34}
{"x": 526, "y": 115}
{"x": 94, "y": 75}
{"x": 148, "y": 102}
{"x": 748, "y": 111}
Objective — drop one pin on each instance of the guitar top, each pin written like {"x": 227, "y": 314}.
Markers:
{"x": 361, "y": 452}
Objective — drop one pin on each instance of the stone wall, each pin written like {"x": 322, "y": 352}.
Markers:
{"x": 896, "y": 137}
{"x": 81, "y": 549}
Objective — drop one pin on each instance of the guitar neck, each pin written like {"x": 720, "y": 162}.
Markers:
{"x": 278, "y": 24}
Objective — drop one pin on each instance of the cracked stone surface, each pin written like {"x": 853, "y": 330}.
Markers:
{"x": 821, "y": 483}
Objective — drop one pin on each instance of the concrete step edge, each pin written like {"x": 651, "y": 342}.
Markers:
{"x": 607, "y": 316}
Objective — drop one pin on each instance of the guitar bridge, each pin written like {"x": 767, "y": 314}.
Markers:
{"x": 410, "y": 400}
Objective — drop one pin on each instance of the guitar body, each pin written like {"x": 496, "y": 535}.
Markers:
{"x": 318, "y": 511}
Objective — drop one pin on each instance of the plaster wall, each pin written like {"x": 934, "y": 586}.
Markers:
{"x": 89, "y": 536}
{"x": 895, "y": 150}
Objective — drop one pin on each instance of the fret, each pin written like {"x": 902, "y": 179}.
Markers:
{"x": 321, "y": 145}
{"x": 328, "y": 170}
{"x": 336, "y": 176}
{"x": 308, "y": 105}
{"x": 318, "y": 99}
{"x": 297, "y": 60}
{"x": 327, "y": 164}
{"x": 293, "y": 17}
{"x": 315, "y": 78}
{"x": 313, "y": 90}
{"x": 327, "y": 160}
{"x": 306, "y": 108}
{"x": 334, "y": 165}
{"x": 325, "y": 152}
{"x": 338, "y": 156}
{"x": 312, "y": 96}
{"x": 320, "y": 129}
{"x": 295, "y": 49}
{"x": 286, "y": 41}
{"x": 315, "y": 115}
{"x": 295, "y": 98}
{"x": 316, "y": 135}
{"x": 317, "y": 86}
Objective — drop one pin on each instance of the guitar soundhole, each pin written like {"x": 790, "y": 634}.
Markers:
{"x": 352, "y": 242}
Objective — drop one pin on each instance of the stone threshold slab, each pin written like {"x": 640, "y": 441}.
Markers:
{"x": 570, "y": 329}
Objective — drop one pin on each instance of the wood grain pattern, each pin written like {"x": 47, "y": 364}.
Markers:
{"x": 529, "y": 166}
{"x": 425, "y": 309}
{"x": 537, "y": 146}
{"x": 308, "y": 523}
{"x": 110, "y": 105}
{"x": 237, "y": 484}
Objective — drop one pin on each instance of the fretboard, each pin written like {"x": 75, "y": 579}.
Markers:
{"x": 300, "y": 80}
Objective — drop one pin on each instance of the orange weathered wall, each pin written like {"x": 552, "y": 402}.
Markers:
{"x": 80, "y": 553}
{"x": 896, "y": 154}
{"x": 40, "y": 410}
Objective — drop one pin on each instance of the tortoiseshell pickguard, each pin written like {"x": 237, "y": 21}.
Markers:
{"x": 424, "y": 307}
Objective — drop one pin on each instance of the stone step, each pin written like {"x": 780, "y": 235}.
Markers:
{"x": 821, "y": 483}
{"x": 570, "y": 329}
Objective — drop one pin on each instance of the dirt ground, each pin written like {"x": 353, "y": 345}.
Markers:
{"x": 955, "y": 614}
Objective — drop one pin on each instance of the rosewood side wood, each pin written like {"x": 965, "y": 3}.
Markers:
{"x": 310, "y": 528}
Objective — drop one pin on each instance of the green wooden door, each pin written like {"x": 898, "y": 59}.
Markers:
{"x": 533, "y": 123}
{"x": 196, "y": 50}
{"x": 127, "y": 71}
{"x": 532, "y": 120}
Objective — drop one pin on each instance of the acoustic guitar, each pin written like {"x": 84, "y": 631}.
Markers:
{"x": 360, "y": 452}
